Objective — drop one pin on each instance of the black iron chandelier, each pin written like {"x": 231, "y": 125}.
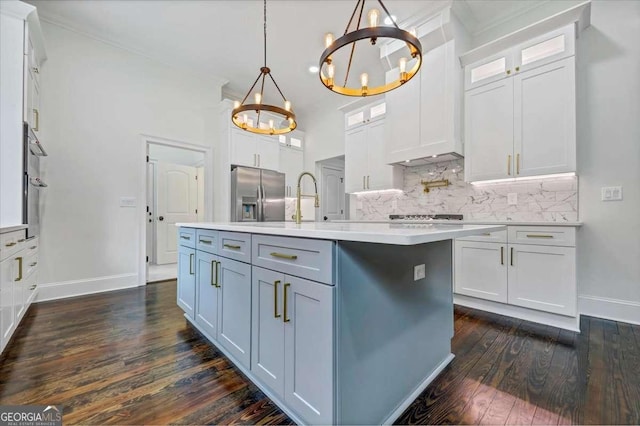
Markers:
{"x": 373, "y": 32}
{"x": 284, "y": 120}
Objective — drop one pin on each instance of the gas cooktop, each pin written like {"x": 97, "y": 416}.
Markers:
{"x": 425, "y": 217}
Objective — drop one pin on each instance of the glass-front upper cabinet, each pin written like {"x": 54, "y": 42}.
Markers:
{"x": 372, "y": 112}
{"x": 488, "y": 70}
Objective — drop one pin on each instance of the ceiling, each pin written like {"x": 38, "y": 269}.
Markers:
{"x": 223, "y": 39}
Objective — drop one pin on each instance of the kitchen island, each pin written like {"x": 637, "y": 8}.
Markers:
{"x": 338, "y": 323}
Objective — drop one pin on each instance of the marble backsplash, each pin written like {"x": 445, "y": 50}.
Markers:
{"x": 539, "y": 200}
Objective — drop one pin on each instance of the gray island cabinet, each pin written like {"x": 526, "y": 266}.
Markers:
{"x": 333, "y": 321}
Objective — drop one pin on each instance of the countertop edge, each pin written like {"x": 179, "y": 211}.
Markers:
{"x": 8, "y": 229}
{"x": 467, "y": 222}
{"x": 354, "y": 236}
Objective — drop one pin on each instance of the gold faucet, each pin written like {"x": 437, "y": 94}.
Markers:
{"x": 299, "y": 195}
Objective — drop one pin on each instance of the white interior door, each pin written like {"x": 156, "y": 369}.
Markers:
{"x": 177, "y": 201}
{"x": 150, "y": 217}
{"x": 332, "y": 197}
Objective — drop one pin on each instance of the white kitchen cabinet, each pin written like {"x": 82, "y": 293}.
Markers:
{"x": 481, "y": 270}
{"x": 268, "y": 151}
{"x": 234, "y": 312}
{"x": 545, "y": 119}
{"x": 207, "y": 295}
{"x": 292, "y": 340}
{"x": 424, "y": 117}
{"x": 267, "y": 334}
{"x": 543, "y": 278}
{"x": 7, "y": 307}
{"x": 186, "y": 292}
{"x": 520, "y": 110}
{"x": 489, "y": 131}
{"x": 291, "y": 164}
{"x": 251, "y": 150}
{"x": 308, "y": 348}
{"x": 359, "y": 117}
{"x": 366, "y": 167}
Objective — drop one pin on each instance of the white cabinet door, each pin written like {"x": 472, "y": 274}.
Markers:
{"x": 489, "y": 131}
{"x": 402, "y": 129}
{"x": 543, "y": 278}
{"x": 480, "y": 270}
{"x": 355, "y": 157}
{"x": 19, "y": 285}
{"x": 267, "y": 333}
{"x": 309, "y": 368}
{"x": 7, "y": 313}
{"x": 550, "y": 47}
{"x": 243, "y": 148}
{"x": 291, "y": 164}
{"x": 268, "y": 151}
{"x": 545, "y": 119}
{"x": 234, "y": 315}
{"x": 379, "y": 174}
{"x": 187, "y": 280}
{"x": 207, "y": 299}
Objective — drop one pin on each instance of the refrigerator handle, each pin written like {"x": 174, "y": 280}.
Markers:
{"x": 259, "y": 204}
{"x": 264, "y": 197}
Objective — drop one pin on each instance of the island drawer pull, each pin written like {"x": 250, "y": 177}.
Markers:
{"x": 184, "y": 237}
{"x": 231, "y": 246}
{"x": 502, "y": 255}
{"x": 275, "y": 299}
{"x": 539, "y": 236}
{"x": 191, "y": 255}
{"x": 286, "y": 318}
{"x": 205, "y": 241}
{"x": 511, "y": 256}
{"x": 284, "y": 256}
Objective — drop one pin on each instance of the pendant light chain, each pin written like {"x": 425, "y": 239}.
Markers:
{"x": 353, "y": 46}
{"x": 265, "y": 34}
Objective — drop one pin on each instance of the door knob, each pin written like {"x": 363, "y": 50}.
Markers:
{"x": 326, "y": 218}
{"x": 161, "y": 218}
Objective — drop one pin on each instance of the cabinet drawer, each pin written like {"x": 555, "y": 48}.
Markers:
{"x": 489, "y": 237}
{"x": 31, "y": 247}
{"x": 207, "y": 240}
{"x": 235, "y": 245}
{"x": 30, "y": 264}
{"x": 311, "y": 259}
{"x": 543, "y": 235}
{"x": 187, "y": 237}
{"x": 10, "y": 243}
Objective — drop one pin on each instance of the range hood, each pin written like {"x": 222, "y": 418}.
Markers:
{"x": 431, "y": 160}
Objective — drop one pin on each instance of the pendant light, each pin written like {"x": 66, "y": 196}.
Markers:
{"x": 285, "y": 120}
{"x": 327, "y": 64}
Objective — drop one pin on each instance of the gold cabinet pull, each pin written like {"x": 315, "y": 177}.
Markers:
{"x": 364, "y": 186}
{"x": 33, "y": 287}
{"x": 11, "y": 244}
{"x": 487, "y": 234}
{"x": 275, "y": 299}
{"x": 213, "y": 275}
{"x": 368, "y": 185}
{"x": 509, "y": 164}
{"x": 33, "y": 264}
{"x": 231, "y": 246}
{"x": 508, "y": 72}
{"x": 205, "y": 241}
{"x": 511, "y": 256}
{"x": 517, "y": 164}
{"x": 22, "y": 240}
{"x": 19, "y": 259}
{"x": 286, "y": 318}
{"x": 284, "y": 256}
{"x": 191, "y": 255}
{"x": 185, "y": 237}
{"x": 37, "y": 116}
{"x": 539, "y": 236}
{"x": 517, "y": 69}
{"x": 33, "y": 247}
{"x": 501, "y": 255}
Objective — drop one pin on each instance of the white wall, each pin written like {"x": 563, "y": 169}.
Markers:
{"x": 174, "y": 155}
{"x": 609, "y": 154}
{"x": 96, "y": 102}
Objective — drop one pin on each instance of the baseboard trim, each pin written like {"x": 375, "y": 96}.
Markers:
{"x": 611, "y": 309}
{"x": 73, "y": 288}
{"x": 421, "y": 387}
{"x": 546, "y": 318}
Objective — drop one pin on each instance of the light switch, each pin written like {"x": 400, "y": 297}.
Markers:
{"x": 419, "y": 272}
{"x": 127, "y": 201}
{"x": 512, "y": 198}
{"x": 611, "y": 193}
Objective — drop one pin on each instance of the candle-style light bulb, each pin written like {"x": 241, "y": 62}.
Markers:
{"x": 271, "y": 124}
{"x": 287, "y": 105}
{"x": 331, "y": 71}
{"x": 258, "y": 98}
{"x": 413, "y": 32}
{"x": 236, "y": 104}
{"x": 364, "y": 79}
{"x": 328, "y": 39}
{"x": 374, "y": 16}
{"x": 402, "y": 63}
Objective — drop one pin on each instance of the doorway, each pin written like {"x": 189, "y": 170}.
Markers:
{"x": 177, "y": 188}
{"x": 331, "y": 178}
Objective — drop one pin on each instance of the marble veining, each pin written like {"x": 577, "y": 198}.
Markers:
{"x": 539, "y": 200}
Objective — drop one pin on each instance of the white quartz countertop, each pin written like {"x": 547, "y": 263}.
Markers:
{"x": 12, "y": 228}
{"x": 384, "y": 233}
{"x": 464, "y": 222}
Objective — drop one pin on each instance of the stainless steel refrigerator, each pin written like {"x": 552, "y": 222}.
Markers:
{"x": 257, "y": 195}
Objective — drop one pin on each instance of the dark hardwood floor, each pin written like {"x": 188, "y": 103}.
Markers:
{"x": 129, "y": 357}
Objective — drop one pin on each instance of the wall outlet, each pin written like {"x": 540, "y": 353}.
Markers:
{"x": 127, "y": 201}
{"x": 419, "y": 272}
{"x": 612, "y": 193}
{"x": 512, "y": 198}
